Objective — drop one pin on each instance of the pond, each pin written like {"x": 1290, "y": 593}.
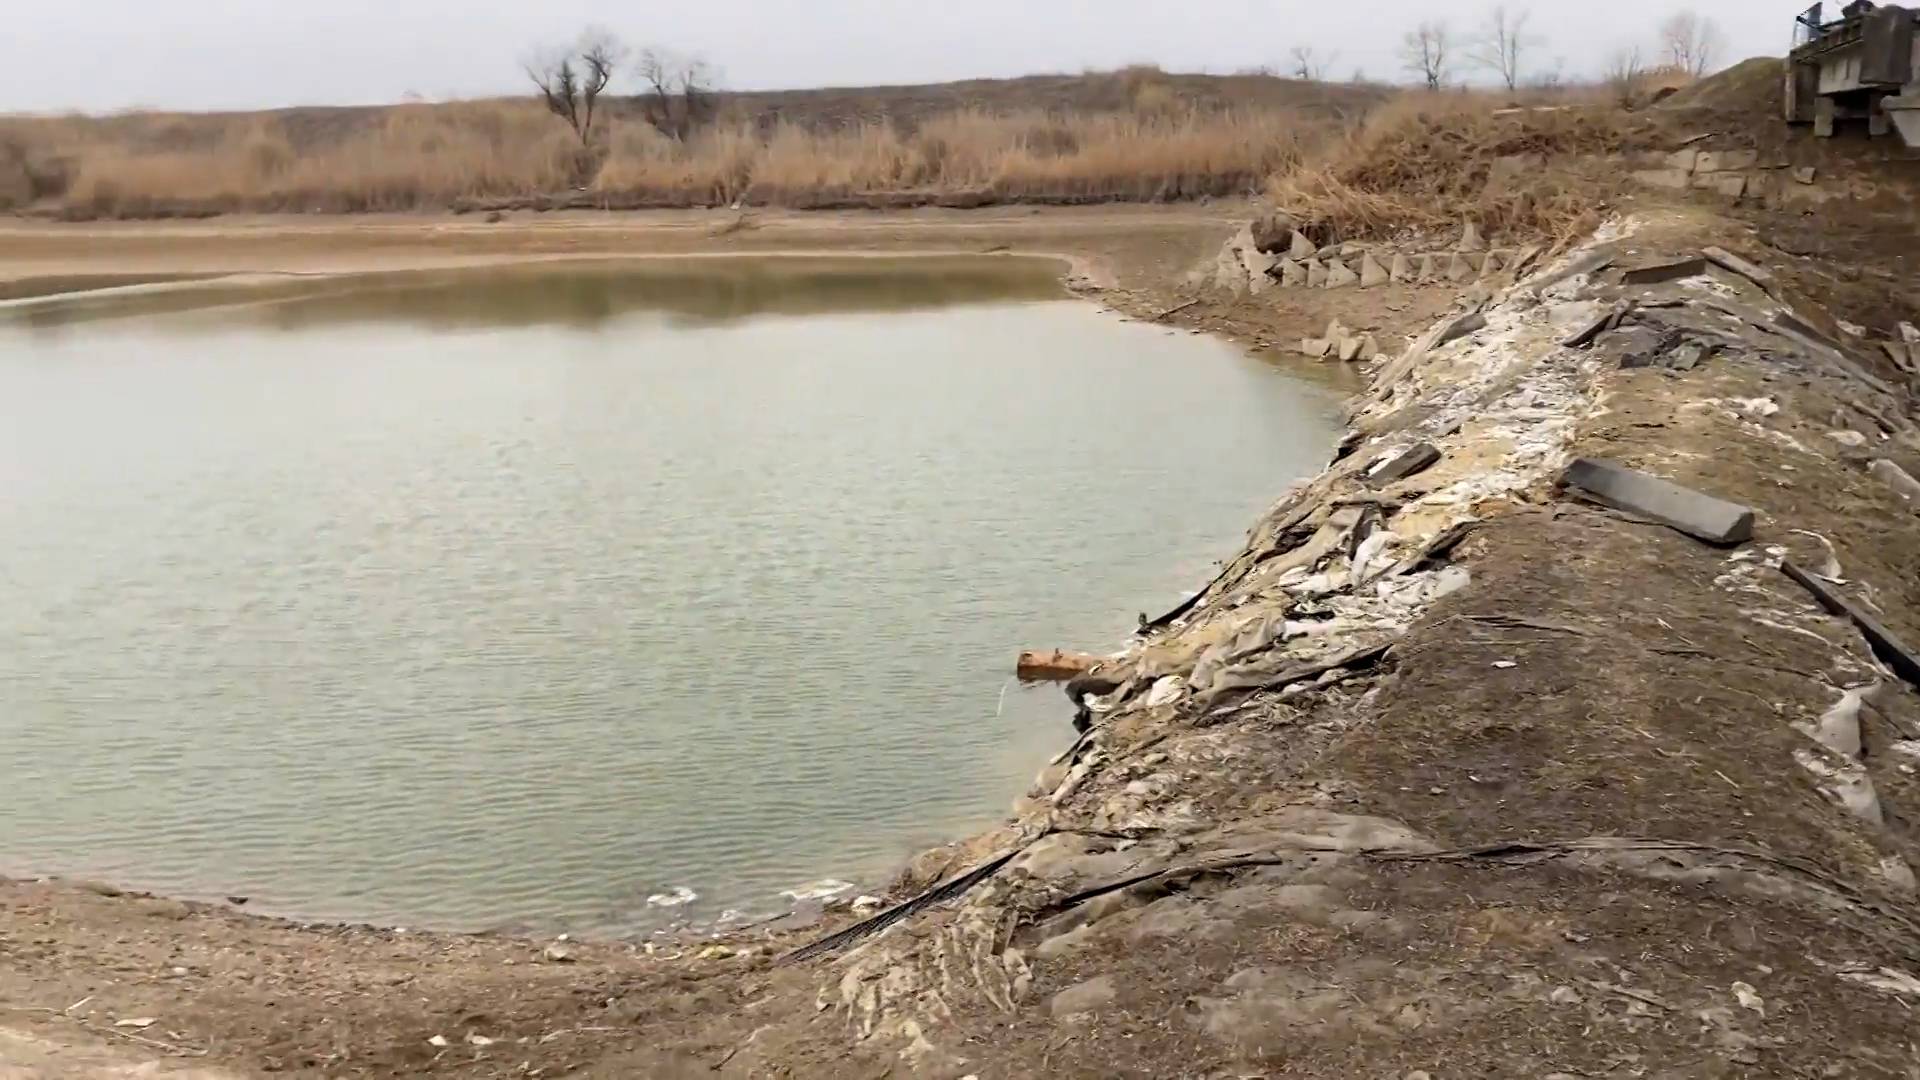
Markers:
{"x": 585, "y": 596}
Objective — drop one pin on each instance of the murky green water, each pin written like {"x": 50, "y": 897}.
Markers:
{"x": 517, "y": 598}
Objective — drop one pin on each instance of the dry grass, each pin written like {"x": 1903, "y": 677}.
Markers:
{"x": 1429, "y": 161}
{"x": 1158, "y": 142}
{"x": 413, "y": 156}
{"x": 1131, "y": 156}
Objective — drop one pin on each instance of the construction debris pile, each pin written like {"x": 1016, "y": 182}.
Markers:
{"x": 1282, "y": 653}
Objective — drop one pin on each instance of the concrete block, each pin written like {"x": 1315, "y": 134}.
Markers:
{"x": 1302, "y": 248}
{"x": 1409, "y": 462}
{"x": 1713, "y": 161}
{"x": 1402, "y": 268}
{"x": 1713, "y": 520}
{"x": 1491, "y": 266}
{"x": 1369, "y": 349}
{"x": 1730, "y": 185}
{"x": 1348, "y": 349}
{"x": 1316, "y": 274}
{"x": 1339, "y": 277}
{"x": 1372, "y": 273}
{"x": 1328, "y": 253}
{"x": 1683, "y": 160}
{"x": 1292, "y": 274}
{"x": 1805, "y": 174}
{"x": 1897, "y": 478}
{"x": 1459, "y": 269}
{"x": 1317, "y": 348}
{"x": 1352, "y": 250}
{"x": 1674, "y": 179}
{"x": 1430, "y": 268}
{"x": 1471, "y": 240}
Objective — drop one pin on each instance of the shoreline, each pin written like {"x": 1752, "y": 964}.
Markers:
{"x": 1209, "y": 837}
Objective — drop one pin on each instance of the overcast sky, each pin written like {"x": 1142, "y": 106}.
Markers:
{"x": 99, "y": 55}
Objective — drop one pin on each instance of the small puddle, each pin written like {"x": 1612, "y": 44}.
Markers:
{"x": 590, "y": 597}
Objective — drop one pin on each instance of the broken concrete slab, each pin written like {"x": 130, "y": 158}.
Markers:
{"x": 1340, "y": 277}
{"x": 1805, "y": 174}
{"x": 1718, "y": 161}
{"x": 1594, "y": 327}
{"x": 1890, "y": 649}
{"x": 1302, "y": 248}
{"x": 1591, "y": 263}
{"x": 1372, "y": 274}
{"x": 1727, "y": 260}
{"x": 1672, "y": 179}
{"x": 1459, "y": 328}
{"x": 1683, "y": 160}
{"x": 1415, "y": 459}
{"x": 1402, "y": 268}
{"x": 1728, "y": 185}
{"x": 1897, "y": 478}
{"x": 1316, "y": 274}
{"x": 1666, "y": 270}
{"x": 1714, "y": 520}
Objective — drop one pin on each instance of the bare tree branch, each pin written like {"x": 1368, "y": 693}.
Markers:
{"x": 680, "y": 91}
{"x": 1425, "y": 51}
{"x": 1503, "y": 44}
{"x": 1625, "y": 72}
{"x": 1307, "y": 64}
{"x": 571, "y": 79}
{"x": 1690, "y": 42}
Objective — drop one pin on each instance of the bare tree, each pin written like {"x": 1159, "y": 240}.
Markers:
{"x": 1503, "y": 44}
{"x": 1690, "y": 42}
{"x": 571, "y": 79}
{"x": 1625, "y": 72}
{"x": 1425, "y": 51}
{"x": 680, "y": 93}
{"x": 1306, "y": 64}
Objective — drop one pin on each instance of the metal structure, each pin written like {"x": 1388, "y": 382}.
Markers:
{"x": 1865, "y": 65}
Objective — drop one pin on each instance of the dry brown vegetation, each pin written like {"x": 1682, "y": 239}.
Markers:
{"x": 1430, "y": 160}
{"x": 1136, "y": 135}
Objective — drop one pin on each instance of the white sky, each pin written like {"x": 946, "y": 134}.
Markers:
{"x": 99, "y": 55}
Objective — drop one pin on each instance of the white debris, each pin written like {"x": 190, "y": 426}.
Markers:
{"x": 1839, "y": 727}
{"x": 866, "y": 903}
{"x": 1760, "y": 406}
{"x": 1852, "y": 440}
{"x": 678, "y": 896}
{"x": 1505, "y": 665}
{"x": 479, "y": 1040}
{"x": 437, "y": 1040}
{"x": 1888, "y": 980}
{"x": 1166, "y": 691}
{"x": 1749, "y": 998}
{"x": 824, "y": 889}
{"x": 1846, "y": 783}
{"x": 136, "y": 1022}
